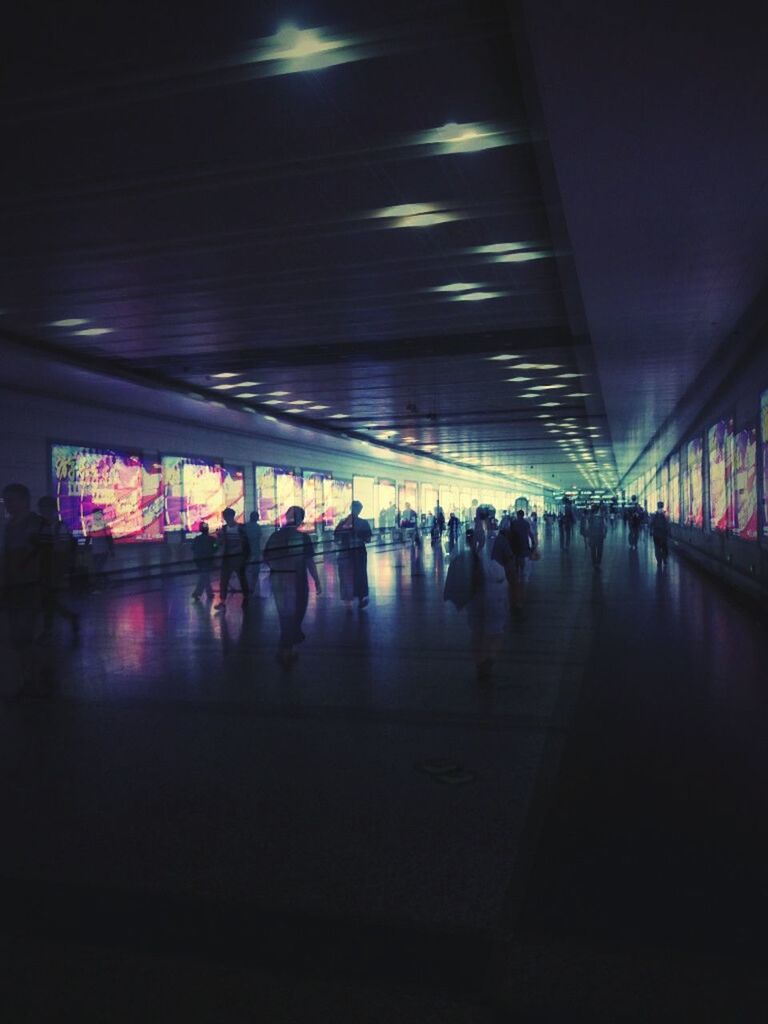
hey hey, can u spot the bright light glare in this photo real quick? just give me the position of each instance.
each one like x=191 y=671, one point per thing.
x=498 y=247
x=579 y=394
x=317 y=407
x=224 y=387
x=92 y=332
x=502 y=358
x=459 y=286
x=518 y=380
x=278 y=394
x=223 y=376
x=247 y=394
x=465 y=138
x=537 y=366
x=339 y=416
x=293 y=49
x=477 y=296
x=567 y=376
x=299 y=401
x=547 y=387
x=67 y=323
x=522 y=257
x=416 y=215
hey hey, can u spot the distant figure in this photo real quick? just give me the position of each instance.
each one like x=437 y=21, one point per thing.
x=488 y=610
x=533 y=519
x=22 y=583
x=102 y=547
x=351 y=535
x=454 y=525
x=660 y=534
x=635 y=521
x=290 y=557
x=57 y=553
x=565 y=522
x=408 y=519
x=203 y=550
x=522 y=545
x=233 y=544
x=596 y=531
x=253 y=566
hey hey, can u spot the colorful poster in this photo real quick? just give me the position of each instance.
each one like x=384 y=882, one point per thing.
x=289 y=491
x=695 y=512
x=674 y=488
x=125 y=488
x=314 y=500
x=363 y=488
x=386 y=503
x=198 y=491
x=338 y=500
x=265 y=495
x=720 y=441
x=764 y=422
x=745 y=483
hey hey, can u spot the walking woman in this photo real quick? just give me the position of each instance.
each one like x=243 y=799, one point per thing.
x=351 y=535
x=290 y=556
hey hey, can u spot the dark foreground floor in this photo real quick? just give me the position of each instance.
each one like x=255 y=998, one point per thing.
x=192 y=833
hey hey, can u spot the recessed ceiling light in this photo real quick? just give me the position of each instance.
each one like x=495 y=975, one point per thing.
x=458 y=286
x=498 y=247
x=278 y=394
x=521 y=257
x=518 y=380
x=339 y=416
x=549 y=405
x=465 y=138
x=92 y=332
x=248 y=383
x=221 y=376
x=271 y=419
x=67 y=323
x=477 y=296
x=299 y=401
x=294 y=411
x=316 y=407
x=416 y=215
x=547 y=387
x=537 y=366
x=274 y=401
x=247 y=394
x=224 y=387
x=292 y=49
x=528 y=394
x=579 y=394
x=567 y=376
x=502 y=358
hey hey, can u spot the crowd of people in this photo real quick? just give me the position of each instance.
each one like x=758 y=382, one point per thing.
x=490 y=563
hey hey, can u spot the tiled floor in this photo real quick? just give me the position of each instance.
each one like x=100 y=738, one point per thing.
x=179 y=761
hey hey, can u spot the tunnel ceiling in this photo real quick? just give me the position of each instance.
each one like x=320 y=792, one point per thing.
x=336 y=213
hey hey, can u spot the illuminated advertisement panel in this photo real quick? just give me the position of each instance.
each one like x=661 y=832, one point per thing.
x=764 y=423
x=408 y=492
x=745 y=483
x=363 y=489
x=695 y=499
x=265 y=495
x=289 y=490
x=338 y=500
x=428 y=498
x=198 y=491
x=720 y=443
x=122 y=490
x=386 y=503
x=314 y=499
x=674 y=488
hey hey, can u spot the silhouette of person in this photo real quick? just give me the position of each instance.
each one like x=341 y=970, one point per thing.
x=203 y=551
x=487 y=611
x=352 y=534
x=290 y=556
x=22 y=582
x=660 y=534
x=522 y=545
x=565 y=522
x=57 y=553
x=233 y=543
x=102 y=547
x=595 y=532
x=454 y=525
x=253 y=566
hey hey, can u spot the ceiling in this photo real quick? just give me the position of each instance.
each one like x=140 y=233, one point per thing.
x=345 y=204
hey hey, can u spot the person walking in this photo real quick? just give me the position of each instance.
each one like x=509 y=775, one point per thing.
x=233 y=543
x=660 y=534
x=351 y=536
x=522 y=545
x=596 y=531
x=488 y=610
x=57 y=553
x=203 y=551
x=565 y=522
x=253 y=566
x=454 y=523
x=23 y=584
x=290 y=556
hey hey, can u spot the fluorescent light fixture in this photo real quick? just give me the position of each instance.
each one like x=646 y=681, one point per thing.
x=465 y=138
x=517 y=380
x=224 y=387
x=579 y=394
x=416 y=215
x=316 y=407
x=537 y=366
x=501 y=247
x=294 y=411
x=502 y=358
x=292 y=49
x=299 y=401
x=529 y=394
x=547 y=387
x=274 y=401
x=278 y=394
x=248 y=383
x=74 y=322
x=457 y=286
x=93 y=332
x=477 y=296
x=549 y=405
x=222 y=376
x=567 y=376
x=271 y=419
x=521 y=257
x=339 y=416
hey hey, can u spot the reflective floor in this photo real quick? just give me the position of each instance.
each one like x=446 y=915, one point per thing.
x=607 y=788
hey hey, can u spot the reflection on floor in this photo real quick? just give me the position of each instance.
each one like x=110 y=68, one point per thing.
x=623 y=734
